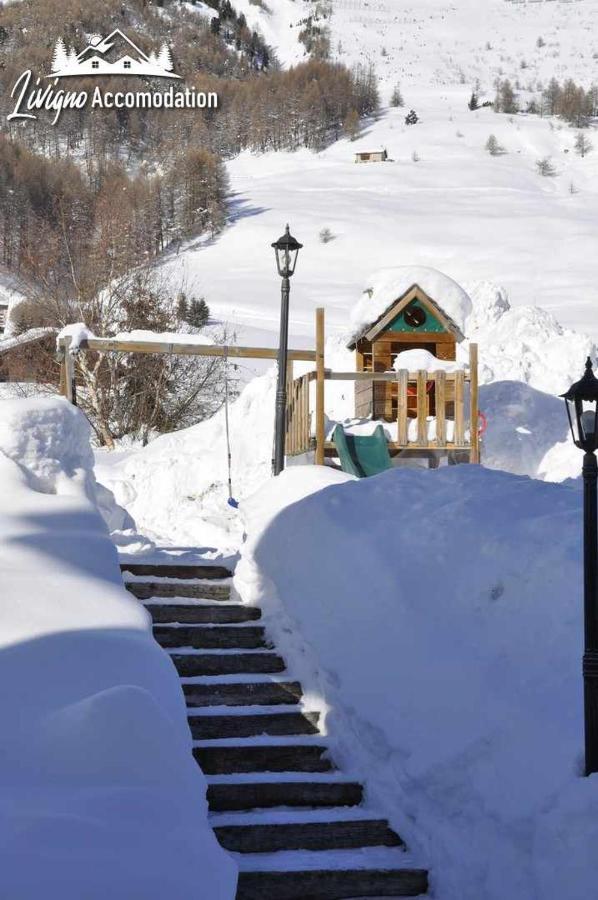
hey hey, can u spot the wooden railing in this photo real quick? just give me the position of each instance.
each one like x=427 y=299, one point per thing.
x=298 y=439
x=445 y=400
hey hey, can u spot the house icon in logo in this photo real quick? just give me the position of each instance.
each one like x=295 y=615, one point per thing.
x=112 y=55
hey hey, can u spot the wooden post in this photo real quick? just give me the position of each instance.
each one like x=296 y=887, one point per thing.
x=402 y=383
x=474 y=404
x=320 y=340
x=70 y=389
x=422 y=408
x=459 y=438
x=290 y=411
x=440 y=408
x=62 y=358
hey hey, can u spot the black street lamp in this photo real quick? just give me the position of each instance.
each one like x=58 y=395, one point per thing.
x=286 y=249
x=582 y=409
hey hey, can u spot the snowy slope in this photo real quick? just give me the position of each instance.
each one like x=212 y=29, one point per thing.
x=473 y=216
x=99 y=793
x=444 y=643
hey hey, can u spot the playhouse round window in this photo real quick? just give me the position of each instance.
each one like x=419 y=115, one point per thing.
x=414 y=316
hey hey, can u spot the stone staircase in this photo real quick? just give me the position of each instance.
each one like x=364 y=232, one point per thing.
x=296 y=826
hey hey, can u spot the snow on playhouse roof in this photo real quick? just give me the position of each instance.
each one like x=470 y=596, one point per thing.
x=387 y=286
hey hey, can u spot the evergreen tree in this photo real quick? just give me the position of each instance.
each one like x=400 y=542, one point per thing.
x=545 y=168
x=182 y=310
x=396 y=98
x=493 y=147
x=583 y=144
x=198 y=313
x=507 y=98
x=474 y=102
x=411 y=118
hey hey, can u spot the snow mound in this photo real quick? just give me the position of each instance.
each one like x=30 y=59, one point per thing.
x=524 y=343
x=412 y=360
x=462 y=603
x=49 y=441
x=388 y=285
x=98 y=785
x=524 y=424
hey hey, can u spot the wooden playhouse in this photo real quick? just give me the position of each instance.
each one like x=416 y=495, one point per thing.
x=413 y=321
x=432 y=412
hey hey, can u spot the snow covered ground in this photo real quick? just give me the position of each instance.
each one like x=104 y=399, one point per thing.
x=473 y=216
x=99 y=794
x=447 y=655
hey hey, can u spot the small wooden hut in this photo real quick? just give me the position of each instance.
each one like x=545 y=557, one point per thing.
x=365 y=156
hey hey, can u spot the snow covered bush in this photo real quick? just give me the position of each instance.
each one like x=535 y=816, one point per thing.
x=99 y=794
x=444 y=641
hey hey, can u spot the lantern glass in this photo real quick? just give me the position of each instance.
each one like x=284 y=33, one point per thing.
x=286 y=249
x=583 y=419
x=588 y=424
x=582 y=410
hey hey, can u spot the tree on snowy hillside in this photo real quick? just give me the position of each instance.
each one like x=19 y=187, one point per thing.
x=583 y=144
x=411 y=118
x=351 y=124
x=493 y=147
x=396 y=98
x=545 y=168
x=506 y=98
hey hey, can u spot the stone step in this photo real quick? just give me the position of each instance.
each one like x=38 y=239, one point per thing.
x=189 y=665
x=201 y=614
x=247 y=693
x=331 y=884
x=347 y=835
x=144 y=590
x=205 y=728
x=215 y=637
x=224 y=759
x=176 y=571
x=238 y=796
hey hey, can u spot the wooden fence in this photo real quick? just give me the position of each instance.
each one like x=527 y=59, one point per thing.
x=305 y=428
x=440 y=396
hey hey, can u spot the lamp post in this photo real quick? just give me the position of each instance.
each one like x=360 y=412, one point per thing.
x=286 y=249
x=582 y=409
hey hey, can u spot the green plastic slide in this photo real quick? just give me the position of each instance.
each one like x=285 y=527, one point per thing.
x=362 y=454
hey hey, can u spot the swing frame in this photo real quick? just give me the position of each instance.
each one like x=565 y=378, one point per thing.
x=65 y=355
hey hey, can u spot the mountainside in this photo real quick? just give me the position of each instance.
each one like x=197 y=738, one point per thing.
x=442 y=199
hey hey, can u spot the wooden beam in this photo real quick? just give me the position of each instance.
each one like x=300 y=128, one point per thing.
x=474 y=403
x=408 y=337
x=114 y=345
x=379 y=376
x=320 y=383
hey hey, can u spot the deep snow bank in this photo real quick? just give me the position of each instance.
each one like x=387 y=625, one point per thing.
x=437 y=615
x=99 y=794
